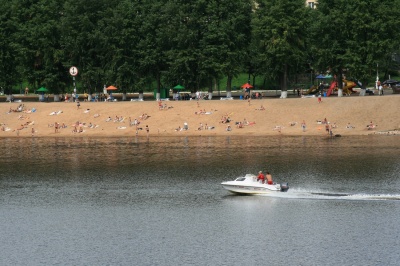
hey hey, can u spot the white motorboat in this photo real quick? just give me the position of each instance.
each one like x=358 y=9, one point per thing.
x=248 y=184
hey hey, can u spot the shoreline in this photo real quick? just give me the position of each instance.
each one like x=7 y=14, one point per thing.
x=280 y=117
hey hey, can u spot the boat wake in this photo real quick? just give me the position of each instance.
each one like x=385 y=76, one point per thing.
x=293 y=194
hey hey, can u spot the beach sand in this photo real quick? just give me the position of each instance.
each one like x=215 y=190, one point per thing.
x=280 y=117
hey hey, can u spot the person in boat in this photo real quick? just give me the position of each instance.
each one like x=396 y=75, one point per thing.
x=269 y=178
x=261 y=177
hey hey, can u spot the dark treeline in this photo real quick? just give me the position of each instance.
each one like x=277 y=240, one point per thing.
x=135 y=43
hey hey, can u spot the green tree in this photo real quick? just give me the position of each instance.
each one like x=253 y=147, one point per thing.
x=356 y=36
x=121 y=32
x=86 y=46
x=38 y=42
x=209 y=40
x=8 y=52
x=155 y=31
x=226 y=39
x=279 y=32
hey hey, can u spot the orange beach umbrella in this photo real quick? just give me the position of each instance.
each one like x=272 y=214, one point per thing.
x=247 y=86
x=111 y=88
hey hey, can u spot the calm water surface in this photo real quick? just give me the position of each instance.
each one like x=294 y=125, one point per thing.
x=121 y=201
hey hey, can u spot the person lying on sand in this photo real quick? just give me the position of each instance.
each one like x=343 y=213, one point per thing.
x=21 y=127
x=21 y=117
x=144 y=116
x=371 y=126
x=239 y=124
x=135 y=122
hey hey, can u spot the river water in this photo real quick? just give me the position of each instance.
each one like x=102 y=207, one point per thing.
x=158 y=201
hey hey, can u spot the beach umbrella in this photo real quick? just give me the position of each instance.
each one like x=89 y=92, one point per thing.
x=42 y=89
x=111 y=88
x=179 y=87
x=247 y=86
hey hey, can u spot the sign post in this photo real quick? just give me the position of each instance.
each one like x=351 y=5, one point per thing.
x=73 y=71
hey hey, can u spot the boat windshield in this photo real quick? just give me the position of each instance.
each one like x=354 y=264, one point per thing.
x=240 y=179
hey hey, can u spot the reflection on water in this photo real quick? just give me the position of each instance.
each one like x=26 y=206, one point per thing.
x=318 y=163
x=125 y=201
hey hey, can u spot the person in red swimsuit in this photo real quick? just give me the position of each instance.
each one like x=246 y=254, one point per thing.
x=260 y=177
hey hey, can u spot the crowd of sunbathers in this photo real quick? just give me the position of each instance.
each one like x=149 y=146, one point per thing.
x=225 y=119
x=115 y=120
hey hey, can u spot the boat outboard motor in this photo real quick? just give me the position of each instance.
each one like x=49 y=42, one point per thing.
x=284 y=187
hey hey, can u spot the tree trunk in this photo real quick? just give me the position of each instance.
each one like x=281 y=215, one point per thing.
x=283 y=95
x=363 y=88
x=340 y=84
x=284 y=82
x=158 y=94
x=229 y=87
x=210 y=90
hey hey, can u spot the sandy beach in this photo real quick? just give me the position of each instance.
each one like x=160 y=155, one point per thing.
x=280 y=117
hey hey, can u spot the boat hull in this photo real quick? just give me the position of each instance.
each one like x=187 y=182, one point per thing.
x=237 y=189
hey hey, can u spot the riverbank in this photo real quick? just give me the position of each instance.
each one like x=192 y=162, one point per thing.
x=280 y=117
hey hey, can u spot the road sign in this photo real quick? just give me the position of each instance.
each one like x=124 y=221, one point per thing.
x=73 y=71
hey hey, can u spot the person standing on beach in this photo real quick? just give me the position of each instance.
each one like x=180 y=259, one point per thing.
x=147 y=130
x=303 y=126
x=78 y=104
x=319 y=98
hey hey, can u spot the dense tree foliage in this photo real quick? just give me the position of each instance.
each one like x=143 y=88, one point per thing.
x=135 y=44
x=280 y=36
x=354 y=37
x=8 y=51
